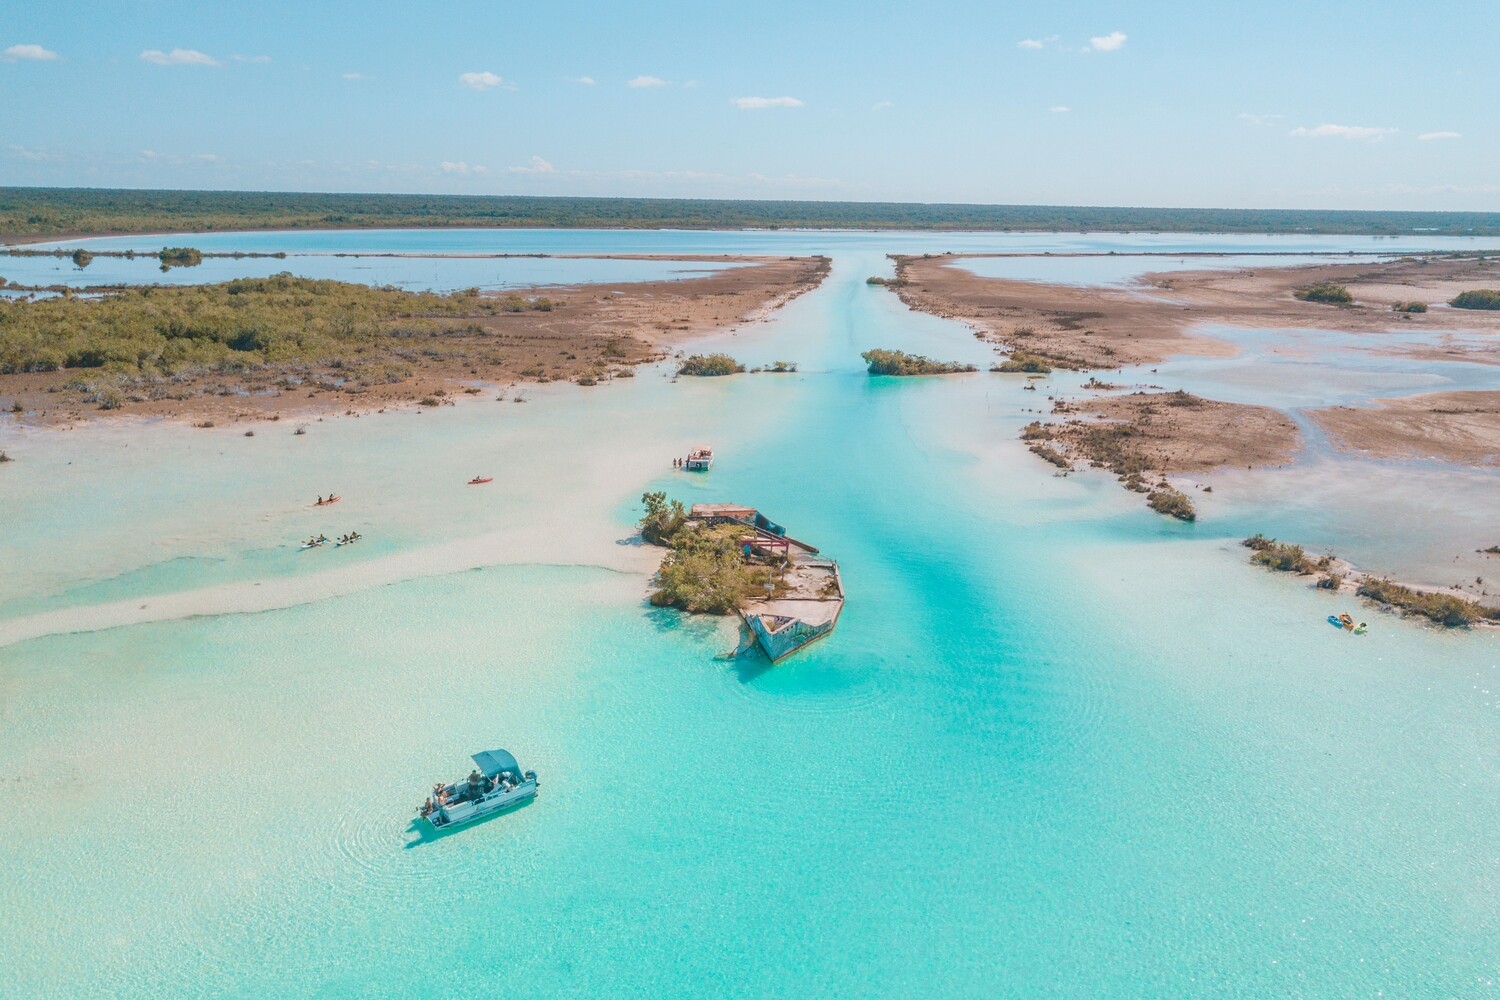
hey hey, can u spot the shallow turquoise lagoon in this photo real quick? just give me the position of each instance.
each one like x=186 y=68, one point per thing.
x=1057 y=746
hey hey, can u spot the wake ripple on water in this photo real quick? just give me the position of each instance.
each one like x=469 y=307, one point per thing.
x=812 y=686
x=396 y=852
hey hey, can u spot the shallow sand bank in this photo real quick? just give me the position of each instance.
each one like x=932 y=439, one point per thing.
x=1462 y=427
x=1174 y=432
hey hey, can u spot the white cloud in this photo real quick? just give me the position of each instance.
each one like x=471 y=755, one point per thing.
x=28 y=53
x=258 y=60
x=480 y=81
x=1342 y=132
x=178 y=57
x=34 y=155
x=1107 y=43
x=355 y=76
x=673 y=180
x=1059 y=109
x=1429 y=136
x=459 y=167
x=535 y=165
x=1442 y=189
x=752 y=103
x=1031 y=43
x=587 y=81
x=883 y=105
x=1259 y=119
x=646 y=81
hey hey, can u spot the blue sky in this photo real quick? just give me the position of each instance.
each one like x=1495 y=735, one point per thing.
x=1276 y=104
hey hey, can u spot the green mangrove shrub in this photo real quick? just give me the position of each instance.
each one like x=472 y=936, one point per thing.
x=884 y=362
x=710 y=365
x=664 y=518
x=1477 y=298
x=1327 y=292
x=171 y=257
x=1284 y=557
x=1022 y=362
x=1171 y=502
x=1447 y=610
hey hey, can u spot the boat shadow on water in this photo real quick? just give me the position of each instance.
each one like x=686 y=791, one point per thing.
x=427 y=834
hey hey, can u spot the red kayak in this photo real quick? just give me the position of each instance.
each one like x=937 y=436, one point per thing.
x=325 y=503
x=481 y=481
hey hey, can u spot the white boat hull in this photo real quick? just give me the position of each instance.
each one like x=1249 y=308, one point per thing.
x=459 y=813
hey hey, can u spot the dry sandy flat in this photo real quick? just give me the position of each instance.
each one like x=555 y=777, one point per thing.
x=1174 y=432
x=1106 y=327
x=1461 y=427
x=596 y=331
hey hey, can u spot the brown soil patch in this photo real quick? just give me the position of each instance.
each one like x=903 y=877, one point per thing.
x=1149 y=435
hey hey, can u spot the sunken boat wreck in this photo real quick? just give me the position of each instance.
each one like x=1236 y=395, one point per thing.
x=805 y=603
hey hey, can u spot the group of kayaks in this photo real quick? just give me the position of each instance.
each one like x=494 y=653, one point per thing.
x=354 y=536
x=322 y=540
x=1346 y=622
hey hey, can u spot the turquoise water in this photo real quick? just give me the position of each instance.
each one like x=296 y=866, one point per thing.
x=1058 y=745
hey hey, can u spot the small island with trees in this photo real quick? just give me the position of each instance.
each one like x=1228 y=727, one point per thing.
x=726 y=559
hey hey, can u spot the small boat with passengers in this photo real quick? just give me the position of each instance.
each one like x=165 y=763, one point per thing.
x=496 y=783
x=700 y=459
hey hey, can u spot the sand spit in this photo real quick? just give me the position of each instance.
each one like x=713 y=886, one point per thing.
x=1459 y=427
x=1168 y=433
x=590 y=334
x=546 y=543
x=1107 y=327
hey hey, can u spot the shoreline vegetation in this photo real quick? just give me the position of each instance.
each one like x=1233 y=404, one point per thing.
x=265 y=347
x=37 y=213
x=1451 y=610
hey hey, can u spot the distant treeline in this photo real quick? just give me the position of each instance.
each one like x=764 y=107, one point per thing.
x=40 y=212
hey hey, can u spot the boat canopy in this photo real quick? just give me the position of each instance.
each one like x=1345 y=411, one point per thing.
x=493 y=762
